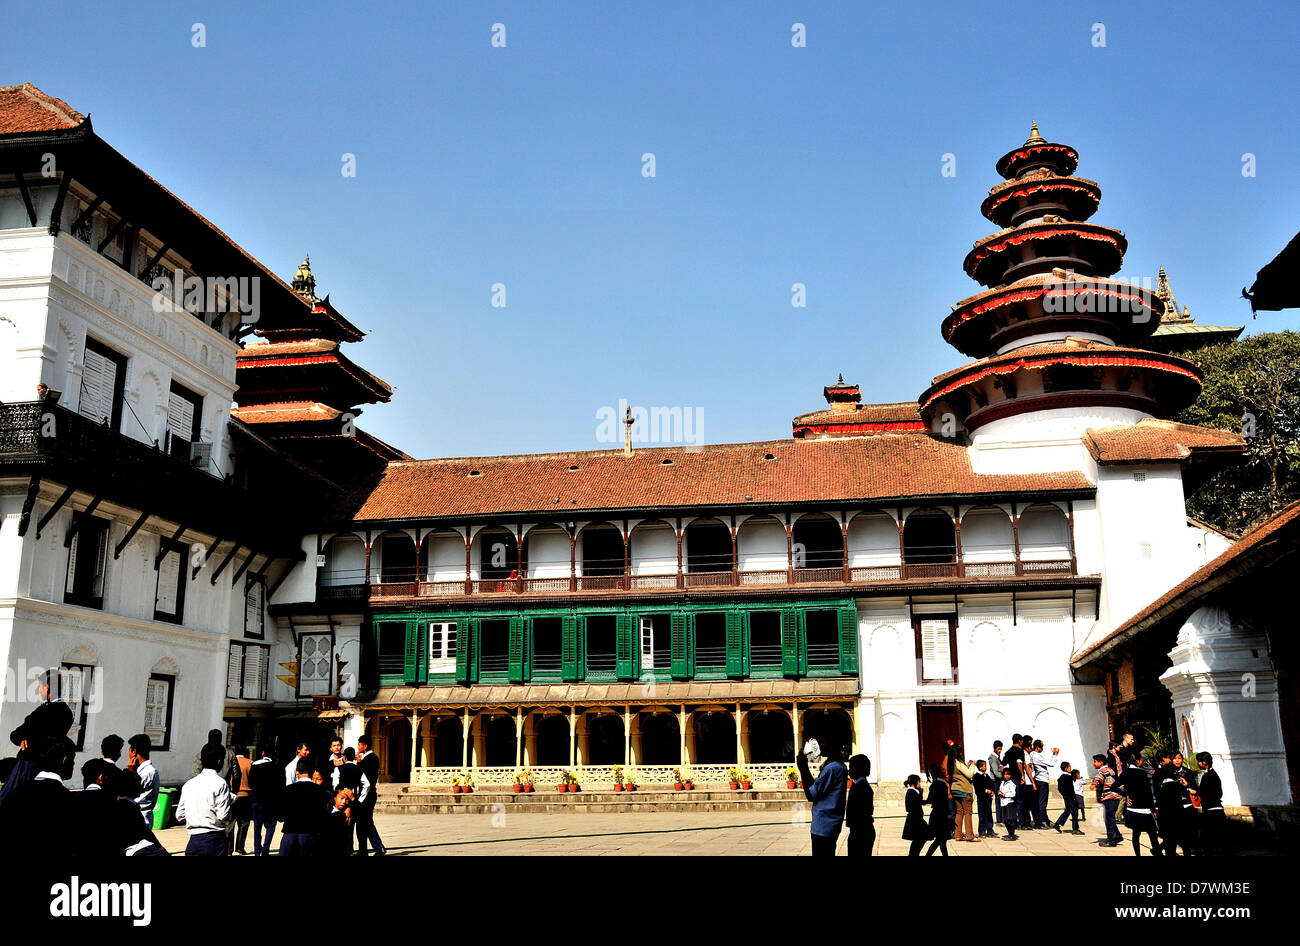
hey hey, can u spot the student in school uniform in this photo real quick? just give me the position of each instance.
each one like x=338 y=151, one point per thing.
x=1213 y=820
x=1168 y=788
x=1139 y=812
x=995 y=773
x=302 y=807
x=1108 y=797
x=1008 y=798
x=1188 y=823
x=940 y=811
x=1065 y=785
x=206 y=805
x=860 y=809
x=266 y=782
x=914 y=827
x=986 y=791
x=302 y=751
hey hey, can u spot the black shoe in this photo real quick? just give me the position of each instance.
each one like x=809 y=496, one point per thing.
x=1057 y=827
x=1010 y=839
x=381 y=853
x=1077 y=831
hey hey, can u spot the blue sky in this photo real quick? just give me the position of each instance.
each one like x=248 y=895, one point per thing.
x=522 y=165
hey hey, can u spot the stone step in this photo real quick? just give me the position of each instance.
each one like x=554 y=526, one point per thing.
x=426 y=800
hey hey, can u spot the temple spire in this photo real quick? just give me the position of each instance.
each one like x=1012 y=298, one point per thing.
x=1034 y=137
x=304 y=283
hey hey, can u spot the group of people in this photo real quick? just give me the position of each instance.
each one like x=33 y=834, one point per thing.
x=323 y=804
x=1157 y=798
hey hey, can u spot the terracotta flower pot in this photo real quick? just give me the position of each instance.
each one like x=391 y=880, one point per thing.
x=678 y=786
x=561 y=788
x=575 y=788
x=467 y=789
x=518 y=789
x=618 y=786
x=746 y=785
x=455 y=789
x=528 y=789
x=790 y=784
x=690 y=786
x=734 y=785
x=630 y=787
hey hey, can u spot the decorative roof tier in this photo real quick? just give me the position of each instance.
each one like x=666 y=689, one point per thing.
x=305 y=371
x=995 y=319
x=1052 y=331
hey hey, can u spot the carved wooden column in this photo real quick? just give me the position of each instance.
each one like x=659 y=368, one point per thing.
x=680 y=580
x=902 y=549
x=627 y=545
x=844 y=535
x=1015 y=538
x=956 y=533
x=573 y=565
x=469 y=541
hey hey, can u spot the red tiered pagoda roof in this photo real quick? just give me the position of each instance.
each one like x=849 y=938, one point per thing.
x=1052 y=331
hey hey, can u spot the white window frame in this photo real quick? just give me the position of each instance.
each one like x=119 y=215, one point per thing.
x=158 y=714
x=442 y=646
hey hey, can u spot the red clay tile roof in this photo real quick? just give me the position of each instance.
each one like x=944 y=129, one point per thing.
x=285 y=412
x=862 y=414
x=322 y=351
x=25 y=108
x=886 y=466
x=1151 y=441
x=1073 y=351
x=1257 y=544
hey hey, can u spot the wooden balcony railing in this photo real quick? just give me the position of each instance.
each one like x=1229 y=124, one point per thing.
x=353 y=590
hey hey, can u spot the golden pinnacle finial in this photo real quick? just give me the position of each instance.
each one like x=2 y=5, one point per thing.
x=304 y=283
x=1034 y=137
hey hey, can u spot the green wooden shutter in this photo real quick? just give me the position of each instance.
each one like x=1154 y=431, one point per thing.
x=411 y=662
x=581 y=635
x=422 y=655
x=790 y=642
x=681 y=662
x=625 y=647
x=849 y=639
x=464 y=635
x=569 y=648
x=475 y=648
x=735 y=649
x=516 y=648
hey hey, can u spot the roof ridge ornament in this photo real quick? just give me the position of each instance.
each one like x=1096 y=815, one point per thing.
x=304 y=283
x=1034 y=137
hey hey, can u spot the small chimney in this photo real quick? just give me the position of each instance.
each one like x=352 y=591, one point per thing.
x=843 y=398
x=628 y=421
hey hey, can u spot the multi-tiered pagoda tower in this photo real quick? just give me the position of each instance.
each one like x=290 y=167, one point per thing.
x=1053 y=335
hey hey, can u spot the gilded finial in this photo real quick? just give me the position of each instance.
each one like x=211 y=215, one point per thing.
x=304 y=283
x=1034 y=137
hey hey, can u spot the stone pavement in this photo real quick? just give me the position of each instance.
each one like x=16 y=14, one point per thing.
x=667 y=833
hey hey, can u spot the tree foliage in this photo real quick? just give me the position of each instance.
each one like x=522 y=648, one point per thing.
x=1251 y=385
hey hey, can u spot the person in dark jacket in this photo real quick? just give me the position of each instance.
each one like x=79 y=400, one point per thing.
x=365 y=811
x=1213 y=821
x=827 y=795
x=36 y=821
x=335 y=839
x=940 y=811
x=50 y=719
x=1168 y=788
x=860 y=810
x=303 y=810
x=1065 y=785
x=914 y=827
x=986 y=798
x=1139 y=810
x=266 y=780
x=107 y=824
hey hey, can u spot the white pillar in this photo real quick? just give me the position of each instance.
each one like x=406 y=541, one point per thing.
x=1222 y=683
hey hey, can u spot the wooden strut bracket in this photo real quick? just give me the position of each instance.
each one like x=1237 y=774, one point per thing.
x=130 y=534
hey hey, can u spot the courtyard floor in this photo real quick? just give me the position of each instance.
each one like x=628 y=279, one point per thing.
x=660 y=833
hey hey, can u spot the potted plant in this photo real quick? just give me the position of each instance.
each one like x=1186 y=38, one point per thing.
x=629 y=783
x=466 y=783
x=745 y=782
x=563 y=785
x=733 y=777
x=573 y=782
x=528 y=780
x=617 y=772
x=519 y=782
x=455 y=784
x=689 y=783
x=792 y=777
x=678 y=784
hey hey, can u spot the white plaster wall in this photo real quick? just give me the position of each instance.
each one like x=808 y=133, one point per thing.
x=986 y=536
x=761 y=546
x=873 y=540
x=1012 y=677
x=1044 y=441
x=1146 y=545
x=300 y=585
x=548 y=555
x=55 y=291
x=654 y=550
x=446 y=558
